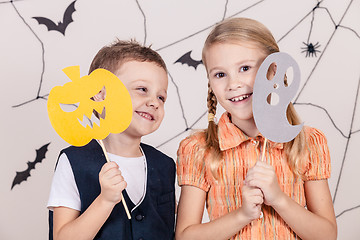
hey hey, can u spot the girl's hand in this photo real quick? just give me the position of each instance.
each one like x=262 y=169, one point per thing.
x=263 y=176
x=112 y=183
x=252 y=199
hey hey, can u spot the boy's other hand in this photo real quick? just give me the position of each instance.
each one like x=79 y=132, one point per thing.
x=112 y=183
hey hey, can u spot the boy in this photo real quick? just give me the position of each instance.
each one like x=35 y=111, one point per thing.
x=86 y=191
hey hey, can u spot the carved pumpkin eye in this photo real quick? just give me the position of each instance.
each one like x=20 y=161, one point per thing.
x=101 y=96
x=69 y=107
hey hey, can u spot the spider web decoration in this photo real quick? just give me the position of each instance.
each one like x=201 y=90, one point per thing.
x=323 y=37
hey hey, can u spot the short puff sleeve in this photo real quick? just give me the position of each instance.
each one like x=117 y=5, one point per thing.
x=190 y=164
x=319 y=164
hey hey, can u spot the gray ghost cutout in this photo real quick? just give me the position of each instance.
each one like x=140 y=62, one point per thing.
x=270 y=118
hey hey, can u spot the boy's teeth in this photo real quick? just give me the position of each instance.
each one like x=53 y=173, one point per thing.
x=236 y=99
x=145 y=115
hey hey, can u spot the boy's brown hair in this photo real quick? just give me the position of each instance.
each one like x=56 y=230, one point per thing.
x=112 y=56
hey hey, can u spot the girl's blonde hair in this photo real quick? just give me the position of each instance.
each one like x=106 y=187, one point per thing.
x=247 y=30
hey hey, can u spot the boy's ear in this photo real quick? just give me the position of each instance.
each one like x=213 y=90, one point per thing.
x=100 y=96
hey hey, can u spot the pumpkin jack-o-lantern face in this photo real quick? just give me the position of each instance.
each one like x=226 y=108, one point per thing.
x=100 y=104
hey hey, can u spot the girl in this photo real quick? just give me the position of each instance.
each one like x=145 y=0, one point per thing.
x=220 y=165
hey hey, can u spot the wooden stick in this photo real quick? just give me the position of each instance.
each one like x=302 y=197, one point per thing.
x=263 y=150
x=122 y=198
x=262 y=159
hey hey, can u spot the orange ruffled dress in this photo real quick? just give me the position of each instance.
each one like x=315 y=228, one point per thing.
x=240 y=153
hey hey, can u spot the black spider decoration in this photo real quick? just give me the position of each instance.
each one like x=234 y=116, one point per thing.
x=311 y=49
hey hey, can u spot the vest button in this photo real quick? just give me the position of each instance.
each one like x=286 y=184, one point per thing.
x=141 y=238
x=139 y=217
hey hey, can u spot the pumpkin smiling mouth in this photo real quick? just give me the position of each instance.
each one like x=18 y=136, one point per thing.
x=94 y=118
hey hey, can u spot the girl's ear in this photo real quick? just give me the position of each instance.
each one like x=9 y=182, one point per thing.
x=100 y=96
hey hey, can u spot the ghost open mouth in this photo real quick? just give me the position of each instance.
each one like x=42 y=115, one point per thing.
x=240 y=98
x=146 y=115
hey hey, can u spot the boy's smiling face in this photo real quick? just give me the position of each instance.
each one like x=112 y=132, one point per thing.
x=147 y=84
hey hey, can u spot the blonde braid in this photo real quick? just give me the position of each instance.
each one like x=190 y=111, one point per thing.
x=212 y=140
x=211 y=104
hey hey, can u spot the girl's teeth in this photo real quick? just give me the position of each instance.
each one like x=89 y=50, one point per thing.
x=237 y=99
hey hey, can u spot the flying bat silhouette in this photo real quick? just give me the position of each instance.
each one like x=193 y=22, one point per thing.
x=22 y=176
x=61 y=26
x=187 y=59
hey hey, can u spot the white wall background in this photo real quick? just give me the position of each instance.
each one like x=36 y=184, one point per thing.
x=31 y=59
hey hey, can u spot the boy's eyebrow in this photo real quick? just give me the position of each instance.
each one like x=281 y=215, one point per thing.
x=144 y=81
x=136 y=81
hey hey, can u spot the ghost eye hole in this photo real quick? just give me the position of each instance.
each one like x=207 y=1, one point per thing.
x=271 y=71
x=69 y=107
x=100 y=96
x=273 y=99
x=289 y=77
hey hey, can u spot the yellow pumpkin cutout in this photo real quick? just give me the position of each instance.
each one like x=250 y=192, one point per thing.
x=117 y=106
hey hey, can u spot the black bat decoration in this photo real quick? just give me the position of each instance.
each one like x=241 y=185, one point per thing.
x=61 y=26
x=187 y=59
x=23 y=176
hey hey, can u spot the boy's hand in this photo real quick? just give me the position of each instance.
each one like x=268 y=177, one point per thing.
x=112 y=183
x=263 y=176
x=252 y=198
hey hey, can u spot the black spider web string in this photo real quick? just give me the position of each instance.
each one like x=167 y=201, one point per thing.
x=327 y=113
x=42 y=60
x=347 y=143
x=204 y=29
x=225 y=10
x=10 y=1
x=296 y=25
x=179 y=99
x=187 y=129
x=312 y=20
x=330 y=16
x=142 y=12
x=352 y=30
x=347 y=210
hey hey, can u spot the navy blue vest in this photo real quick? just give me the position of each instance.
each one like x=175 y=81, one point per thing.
x=153 y=219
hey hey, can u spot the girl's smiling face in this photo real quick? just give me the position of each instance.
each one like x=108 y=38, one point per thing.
x=231 y=69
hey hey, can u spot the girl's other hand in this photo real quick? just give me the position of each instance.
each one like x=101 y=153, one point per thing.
x=263 y=176
x=112 y=183
x=252 y=199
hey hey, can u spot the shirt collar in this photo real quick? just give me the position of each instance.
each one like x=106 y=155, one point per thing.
x=231 y=136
